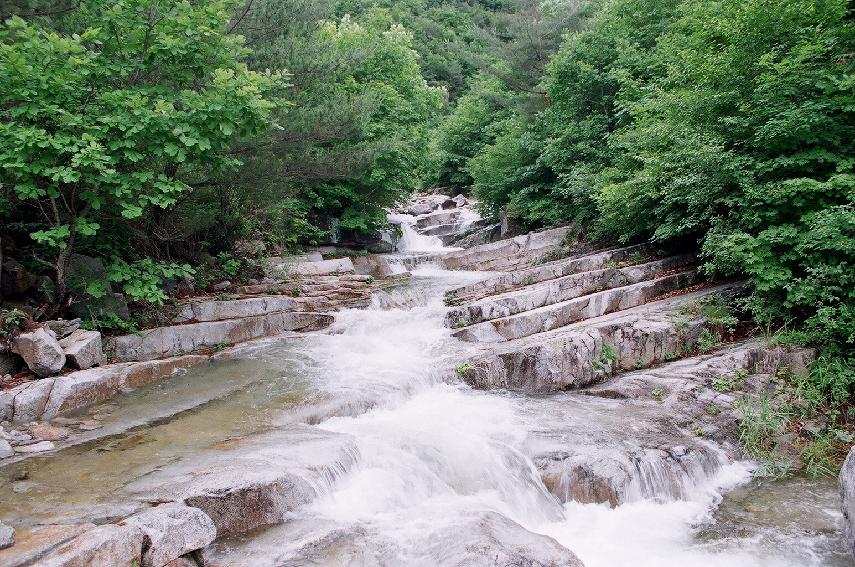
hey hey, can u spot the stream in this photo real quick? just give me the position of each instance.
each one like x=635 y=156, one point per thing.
x=433 y=454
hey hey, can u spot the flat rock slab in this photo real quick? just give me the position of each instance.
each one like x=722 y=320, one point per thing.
x=184 y=339
x=113 y=545
x=578 y=354
x=44 y=400
x=506 y=254
x=255 y=481
x=558 y=290
x=536 y=312
x=646 y=444
x=202 y=311
x=34 y=543
x=485 y=539
x=324 y=267
x=548 y=271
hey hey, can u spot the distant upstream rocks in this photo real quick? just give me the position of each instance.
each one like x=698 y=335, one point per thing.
x=847 y=494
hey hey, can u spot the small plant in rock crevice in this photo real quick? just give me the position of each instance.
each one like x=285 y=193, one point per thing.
x=463 y=369
x=608 y=355
x=707 y=341
x=729 y=384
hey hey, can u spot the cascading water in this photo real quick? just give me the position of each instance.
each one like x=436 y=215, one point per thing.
x=434 y=453
x=434 y=467
x=413 y=242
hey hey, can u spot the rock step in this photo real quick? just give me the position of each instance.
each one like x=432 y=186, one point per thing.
x=217 y=310
x=254 y=481
x=225 y=490
x=663 y=457
x=478 y=539
x=560 y=289
x=548 y=271
x=575 y=356
x=558 y=315
x=48 y=398
x=699 y=392
x=506 y=254
x=181 y=339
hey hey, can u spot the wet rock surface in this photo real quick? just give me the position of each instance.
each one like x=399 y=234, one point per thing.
x=255 y=482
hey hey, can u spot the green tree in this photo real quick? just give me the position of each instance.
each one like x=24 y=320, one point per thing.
x=125 y=115
x=745 y=145
x=356 y=139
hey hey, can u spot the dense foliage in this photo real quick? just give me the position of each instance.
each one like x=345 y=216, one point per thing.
x=123 y=116
x=721 y=126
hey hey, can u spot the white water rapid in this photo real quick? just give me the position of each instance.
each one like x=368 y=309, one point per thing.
x=434 y=454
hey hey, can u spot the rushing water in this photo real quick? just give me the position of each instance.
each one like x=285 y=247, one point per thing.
x=433 y=453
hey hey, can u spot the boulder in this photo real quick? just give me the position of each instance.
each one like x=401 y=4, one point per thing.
x=7 y=536
x=15 y=279
x=420 y=209
x=101 y=307
x=63 y=327
x=83 y=270
x=847 y=495
x=249 y=248
x=493 y=540
x=374 y=266
x=221 y=286
x=6 y=449
x=170 y=531
x=40 y=351
x=82 y=349
x=111 y=544
x=510 y=226
x=438 y=218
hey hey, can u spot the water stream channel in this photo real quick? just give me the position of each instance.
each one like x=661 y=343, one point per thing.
x=433 y=453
